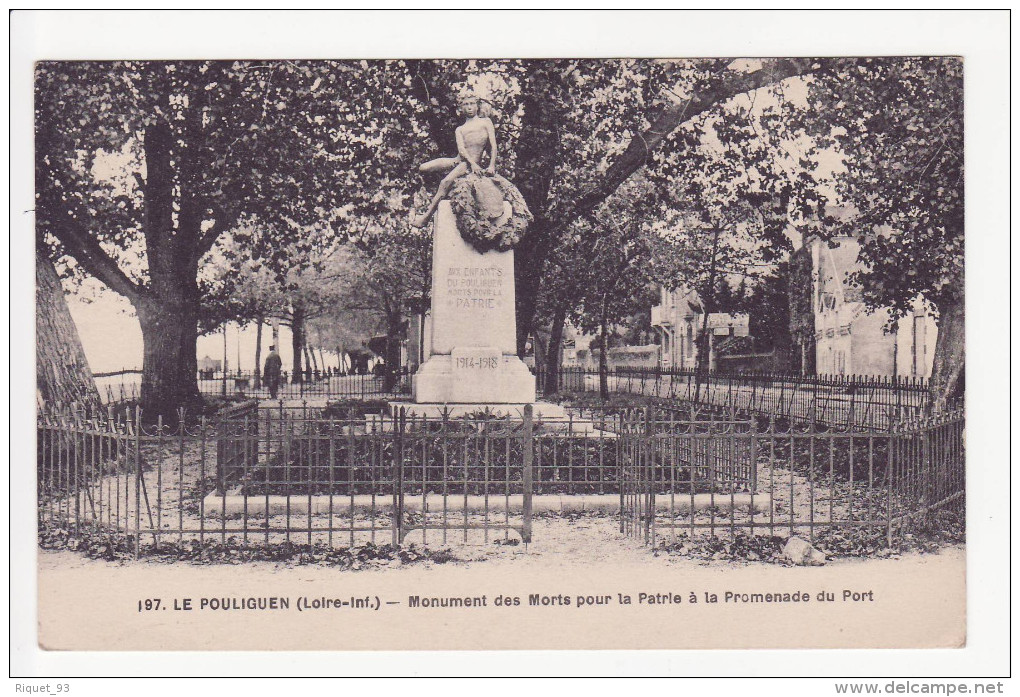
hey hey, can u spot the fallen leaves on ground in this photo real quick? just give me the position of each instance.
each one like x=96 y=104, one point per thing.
x=99 y=543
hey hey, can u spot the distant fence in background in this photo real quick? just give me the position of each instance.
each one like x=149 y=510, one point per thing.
x=125 y=385
x=875 y=403
x=119 y=386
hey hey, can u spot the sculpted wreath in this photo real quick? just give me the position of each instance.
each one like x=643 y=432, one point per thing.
x=482 y=218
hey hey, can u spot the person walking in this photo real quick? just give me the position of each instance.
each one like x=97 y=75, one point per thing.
x=271 y=371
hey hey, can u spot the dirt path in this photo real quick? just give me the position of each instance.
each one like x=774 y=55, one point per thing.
x=916 y=601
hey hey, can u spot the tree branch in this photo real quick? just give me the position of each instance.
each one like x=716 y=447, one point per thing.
x=222 y=221
x=423 y=72
x=672 y=117
x=86 y=250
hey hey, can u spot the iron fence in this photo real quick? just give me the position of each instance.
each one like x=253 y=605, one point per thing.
x=874 y=403
x=807 y=478
x=268 y=472
x=125 y=386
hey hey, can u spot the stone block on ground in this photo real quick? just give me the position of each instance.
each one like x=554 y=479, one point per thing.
x=802 y=553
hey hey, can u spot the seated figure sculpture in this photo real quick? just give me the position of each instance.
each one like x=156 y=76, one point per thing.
x=491 y=212
x=472 y=136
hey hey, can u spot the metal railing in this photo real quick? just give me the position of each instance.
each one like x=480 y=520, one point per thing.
x=870 y=402
x=807 y=479
x=125 y=386
x=267 y=472
x=874 y=403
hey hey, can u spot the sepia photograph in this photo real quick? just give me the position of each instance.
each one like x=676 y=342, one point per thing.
x=418 y=353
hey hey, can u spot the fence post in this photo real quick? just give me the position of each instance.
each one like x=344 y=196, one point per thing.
x=925 y=430
x=753 y=464
x=621 y=424
x=398 y=475
x=78 y=440
x=649 y=468
x=221 y=456
x=527 y=474
x=138 y=481
x=889 y=468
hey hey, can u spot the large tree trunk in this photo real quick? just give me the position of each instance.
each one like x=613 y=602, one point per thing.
x=603 y=353
x=297 y=340
x=260 y=320
x=392 y=358
x=545 y=98
x=169 y=366
x=704 y=356
x=538 y=348
x=168 y=312
x=947 y=375
x=552 y=356
x=62 y=373
x=312 y=360
x=168 y=305
x=529 y=264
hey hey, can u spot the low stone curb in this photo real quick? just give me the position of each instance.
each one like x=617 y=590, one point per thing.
x=236 y=504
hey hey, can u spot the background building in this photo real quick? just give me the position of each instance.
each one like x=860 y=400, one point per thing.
x=678 y=318
x=581 y=350
x=848 y=339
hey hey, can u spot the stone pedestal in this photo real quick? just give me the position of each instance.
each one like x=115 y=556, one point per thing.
x=471 y=348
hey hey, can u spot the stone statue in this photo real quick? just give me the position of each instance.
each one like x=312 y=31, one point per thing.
x=491 y=213
x=472 y=136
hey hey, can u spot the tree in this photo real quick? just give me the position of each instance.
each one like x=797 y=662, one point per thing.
x=901 y=136
x=575 y=130
x=894 y=153
x=62 y=373
x=610 y=267
x=219 y=141
x=570 y=131
x=378 y=282
x=768 y=307
x=247 y=291
x=713 y=258
x=142 y=166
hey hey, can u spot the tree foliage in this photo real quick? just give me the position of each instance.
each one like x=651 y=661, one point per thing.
x=147 y=169
x=143 y=166
x=900 y=132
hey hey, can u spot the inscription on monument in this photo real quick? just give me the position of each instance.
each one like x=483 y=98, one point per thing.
x=479 y=369
x=474 y=287
x=477 y=362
